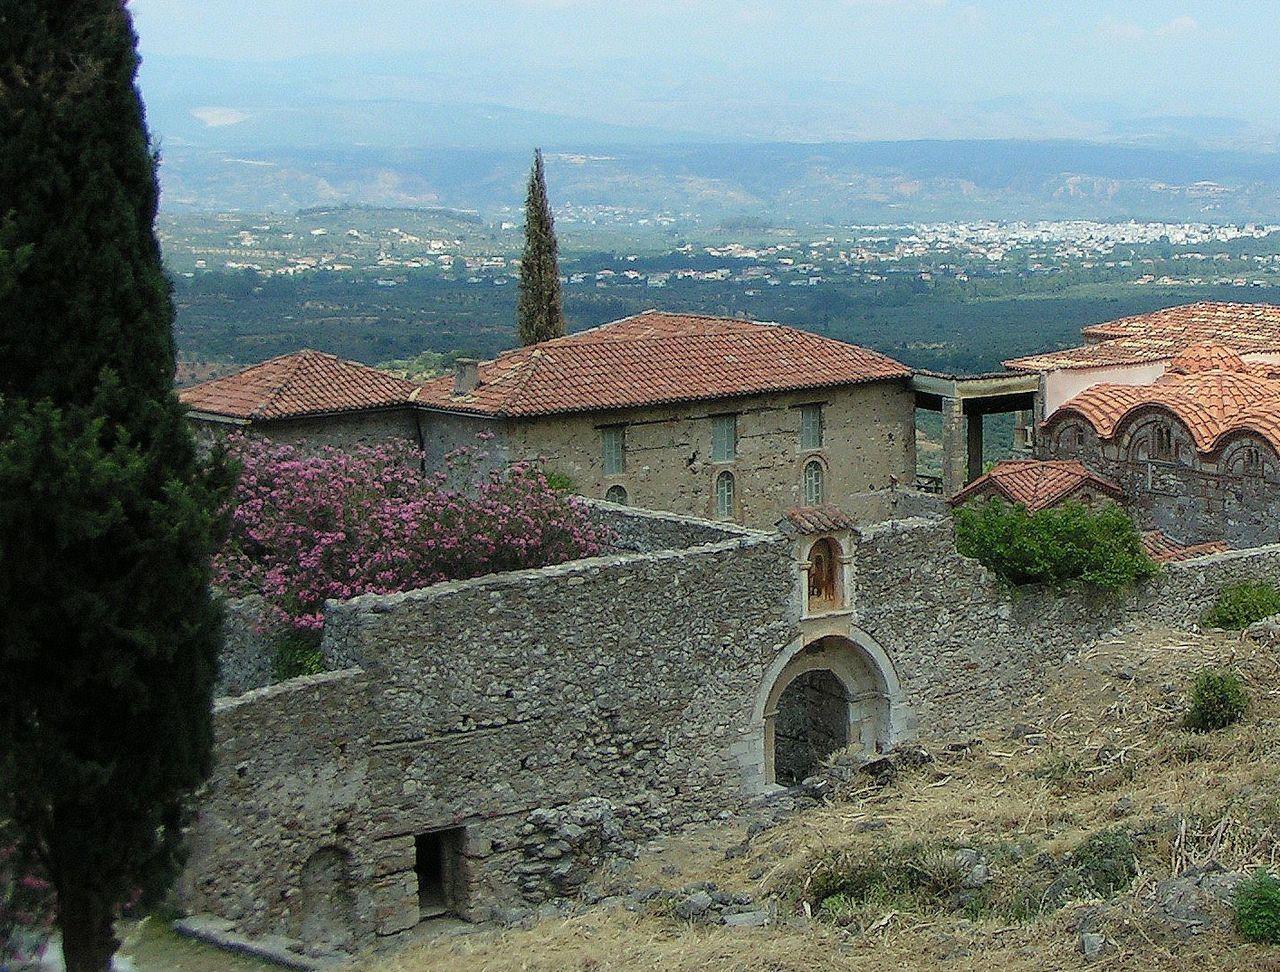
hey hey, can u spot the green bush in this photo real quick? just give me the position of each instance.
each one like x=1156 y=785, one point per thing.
x=1217 y=700
x=1257 y=906
x=1100 y=547
x=1240 y=605
x=561 y=482
x=298 y=653
x=1106 y=862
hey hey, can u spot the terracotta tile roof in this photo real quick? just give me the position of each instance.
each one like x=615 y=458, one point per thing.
x=1163 y=550
x=1161 y=335
x=1035 y=484
x=654 y=358
x=1206 y=356
x=818 y=519
x=1209 y=388
x=303 y=383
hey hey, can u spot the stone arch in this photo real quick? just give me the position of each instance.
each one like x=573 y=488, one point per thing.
x=1247 y=454
x=848 y=684
x=324 y=909
x=1156 y=434
x=1069 y=438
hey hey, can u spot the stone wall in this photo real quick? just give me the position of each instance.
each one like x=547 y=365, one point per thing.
x=577 y=700
x=533 y=724
x=247 y=659
x=646 y=531
x=369 y=428
x=292 y=781
x=966 y=648
x=1194 y=498
x=869 y=442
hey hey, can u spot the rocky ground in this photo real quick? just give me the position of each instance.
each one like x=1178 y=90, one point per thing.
x=1089 y=831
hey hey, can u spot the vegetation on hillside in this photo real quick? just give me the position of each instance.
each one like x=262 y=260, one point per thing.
x=1098 y=817
x=1240 y=605
x=1099 y=547
x=109 y=634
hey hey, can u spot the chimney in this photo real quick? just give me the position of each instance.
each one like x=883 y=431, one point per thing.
x=466 y=375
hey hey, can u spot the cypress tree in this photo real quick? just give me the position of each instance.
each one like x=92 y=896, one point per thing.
x=540 y=312
x=108 y=631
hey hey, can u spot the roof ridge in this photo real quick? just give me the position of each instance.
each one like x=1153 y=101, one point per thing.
x=277 y=390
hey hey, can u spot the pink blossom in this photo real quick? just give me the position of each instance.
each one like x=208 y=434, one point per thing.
x=335 y=524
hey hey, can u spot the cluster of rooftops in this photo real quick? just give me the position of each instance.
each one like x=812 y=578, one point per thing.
x=649 y=359
x=1214 y=366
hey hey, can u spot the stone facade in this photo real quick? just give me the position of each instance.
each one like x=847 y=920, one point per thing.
x=369 y=427
x=483 y=745
x=1232 y=494
x=868 y=443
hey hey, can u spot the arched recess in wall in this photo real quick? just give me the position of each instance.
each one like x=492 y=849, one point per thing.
x=1249 y=456
x=822 y=695
x=1069 y=438
x=1155 y=434
x=324 y=909
x=825 y=581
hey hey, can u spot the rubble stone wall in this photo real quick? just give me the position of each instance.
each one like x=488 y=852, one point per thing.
x=549 y=719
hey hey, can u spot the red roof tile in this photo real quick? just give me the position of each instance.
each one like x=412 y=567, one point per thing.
x=818 y=519
x=1035 y=484
x=1164 y=550
x=654 y=358
x=1161 y=335
x=303 y=383
x=1209 y=388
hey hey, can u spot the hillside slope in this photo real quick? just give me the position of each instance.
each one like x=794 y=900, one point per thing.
x=1091 y=822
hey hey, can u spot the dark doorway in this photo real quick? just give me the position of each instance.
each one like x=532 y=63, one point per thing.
x=441 y=878
x=812 y=722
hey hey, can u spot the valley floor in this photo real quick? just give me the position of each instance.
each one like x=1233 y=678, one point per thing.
x=1102 y=753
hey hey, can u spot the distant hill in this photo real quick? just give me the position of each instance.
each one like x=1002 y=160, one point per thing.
x=868 y=182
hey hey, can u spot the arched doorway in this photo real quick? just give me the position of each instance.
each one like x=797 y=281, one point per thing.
x=829 y=694
x=812 y=722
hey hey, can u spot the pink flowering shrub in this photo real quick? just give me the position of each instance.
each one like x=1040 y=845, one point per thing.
x=26 y=908
x=308 y=527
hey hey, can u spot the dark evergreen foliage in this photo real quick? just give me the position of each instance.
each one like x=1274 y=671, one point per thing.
x=108 y=630
x=540 y=311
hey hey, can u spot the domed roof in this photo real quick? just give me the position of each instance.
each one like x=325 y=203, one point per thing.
x=1207 y=356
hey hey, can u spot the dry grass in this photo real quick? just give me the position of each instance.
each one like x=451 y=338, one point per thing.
x=1109 y=752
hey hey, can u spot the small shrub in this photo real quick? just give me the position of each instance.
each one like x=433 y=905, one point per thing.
x=298 y=653
x=1240 y=605
x=1257 y=907
x=1106 y=863
x=1217 y=700
x=1100 y=547
x=561 y=482
x=26 y=906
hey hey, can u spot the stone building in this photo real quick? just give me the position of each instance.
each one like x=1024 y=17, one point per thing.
x=1137 y=350
x=713 y=417
x=1196 y=451
x=481 y=747
x=485 y=746
x=307 y=397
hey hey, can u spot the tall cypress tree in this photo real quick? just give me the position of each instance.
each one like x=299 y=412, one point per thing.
x=540 y=312
x=108 y=633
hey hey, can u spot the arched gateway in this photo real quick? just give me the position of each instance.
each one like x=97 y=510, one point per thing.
x=824 y=695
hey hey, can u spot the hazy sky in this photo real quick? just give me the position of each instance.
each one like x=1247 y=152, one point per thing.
x=811 y=69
